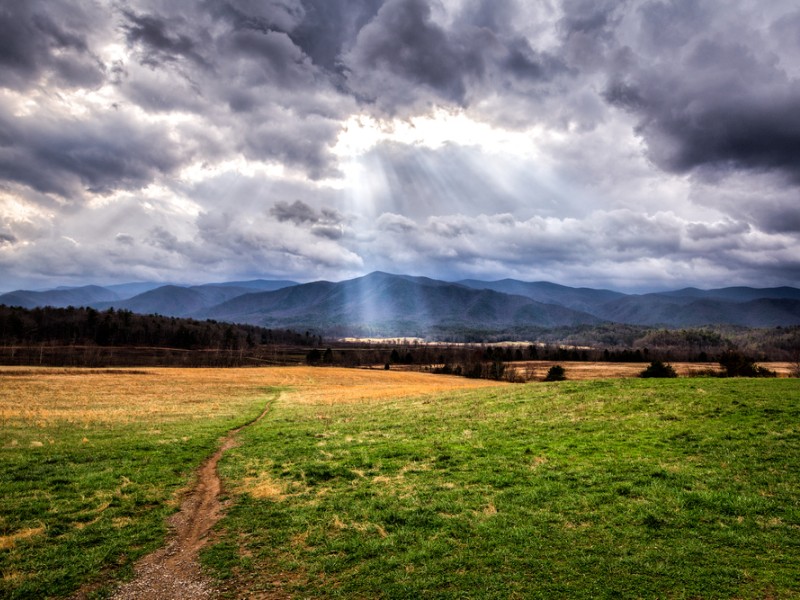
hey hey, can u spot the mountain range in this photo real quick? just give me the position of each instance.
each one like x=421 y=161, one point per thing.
x=402 y=305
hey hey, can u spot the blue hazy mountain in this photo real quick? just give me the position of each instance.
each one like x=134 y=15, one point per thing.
x=60 y=297
x=405 y=305
x=393 y=305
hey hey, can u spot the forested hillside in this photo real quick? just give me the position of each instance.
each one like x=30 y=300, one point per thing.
x=72 y=336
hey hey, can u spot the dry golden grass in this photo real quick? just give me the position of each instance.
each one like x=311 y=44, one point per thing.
x=46 y=396
x=576 y=370
x=8 y=541
x=43 y=397
x=322 y=386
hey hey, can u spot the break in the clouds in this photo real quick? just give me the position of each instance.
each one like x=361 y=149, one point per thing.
x=638 y=144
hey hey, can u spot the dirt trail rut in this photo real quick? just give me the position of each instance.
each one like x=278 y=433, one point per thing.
x=173 y=572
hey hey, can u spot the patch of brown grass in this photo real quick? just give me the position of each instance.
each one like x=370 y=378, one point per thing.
x=579 y=370
x=9 y=541
x=329 y=386
x=45 y=397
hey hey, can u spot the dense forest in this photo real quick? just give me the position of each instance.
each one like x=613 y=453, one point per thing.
x=88 y=337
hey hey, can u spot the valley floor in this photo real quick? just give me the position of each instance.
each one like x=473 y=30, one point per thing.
x=374 y=484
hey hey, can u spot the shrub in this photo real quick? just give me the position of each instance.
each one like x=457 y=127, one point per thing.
x=555 y=373
x=737 y=364
x=658 y=369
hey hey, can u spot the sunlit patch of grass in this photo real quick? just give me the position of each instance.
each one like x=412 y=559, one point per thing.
x=93 y=460
x=679 y=489
x=9 y=541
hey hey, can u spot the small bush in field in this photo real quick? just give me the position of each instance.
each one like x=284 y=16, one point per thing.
x=658 y=369
x=555 y=373
x=736 y=364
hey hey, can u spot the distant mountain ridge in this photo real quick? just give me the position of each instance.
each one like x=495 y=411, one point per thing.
x=393 y=305
x=59 y=297
x=387 y=304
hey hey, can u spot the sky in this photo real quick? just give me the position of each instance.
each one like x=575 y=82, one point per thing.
x=634 y=145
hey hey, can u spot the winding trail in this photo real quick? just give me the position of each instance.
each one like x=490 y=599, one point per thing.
x=173 y=572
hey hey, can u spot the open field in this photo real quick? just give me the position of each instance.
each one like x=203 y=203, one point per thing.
x=374 y=484
x=584 y=370
x=533 y=370
x=93 y=460
x=596 y=489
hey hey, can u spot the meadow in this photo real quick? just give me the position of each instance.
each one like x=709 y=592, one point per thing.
x=627 y=488
x=92 y=461
x=372 y=484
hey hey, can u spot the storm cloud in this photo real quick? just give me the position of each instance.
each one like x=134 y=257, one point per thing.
x=643 y=143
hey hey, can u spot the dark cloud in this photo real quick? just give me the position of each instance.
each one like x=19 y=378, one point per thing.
x=162 y=39
x=67 y=157
x=48 y=39
x=298 y=212
x=787 y=30
x=278 y=59
x=165 y=240
x=720 y=103
x=329 y=231
x=659 y=136
x=264 y=16
x=326 y=223
x=329 y=28
x=405 y=58
x=404 y=41
x=667 y=25
x=588 y=28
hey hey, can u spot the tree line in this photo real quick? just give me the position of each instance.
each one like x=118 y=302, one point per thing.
x=88 y=337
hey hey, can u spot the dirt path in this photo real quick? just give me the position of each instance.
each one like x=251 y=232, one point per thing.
x=173 y=572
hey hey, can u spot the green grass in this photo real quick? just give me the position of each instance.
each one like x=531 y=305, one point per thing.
x=684 y=488
x=95 y=494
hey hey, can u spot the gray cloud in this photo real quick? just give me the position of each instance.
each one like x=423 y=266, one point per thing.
x=404 y=58
x=161 y=40
x=404 y=41
x=325 y=223
x=329 y=27
x=664 y=138
x=298 y=212
x=66 y=157
x=124 y=239
x=395 y=223
x=722 y=102
x=48 y=39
